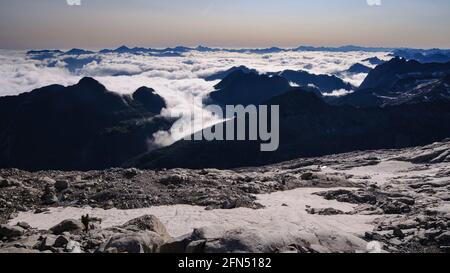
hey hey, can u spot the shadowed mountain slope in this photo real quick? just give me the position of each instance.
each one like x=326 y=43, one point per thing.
x=309 y=127
x=78 y=127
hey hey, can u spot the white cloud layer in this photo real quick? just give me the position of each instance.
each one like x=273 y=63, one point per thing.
x=73 y=2
x=178 y=79
x=338 y=93
x=374 y=2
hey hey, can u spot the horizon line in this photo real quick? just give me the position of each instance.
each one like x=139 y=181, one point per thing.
x=217 y=47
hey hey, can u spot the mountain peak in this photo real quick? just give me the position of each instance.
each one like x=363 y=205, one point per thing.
x=149 y=99
x=122 y=49
x=359 y=68
x=246 y=88
x=78 y=51
x=298 y=99
x=91 y=82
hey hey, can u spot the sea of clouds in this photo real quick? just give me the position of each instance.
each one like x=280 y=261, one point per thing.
x=179 y=80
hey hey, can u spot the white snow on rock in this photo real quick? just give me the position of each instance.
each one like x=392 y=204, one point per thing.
x=284 y=216
x=380 y=173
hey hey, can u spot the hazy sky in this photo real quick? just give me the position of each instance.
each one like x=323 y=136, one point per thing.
x=227 y=23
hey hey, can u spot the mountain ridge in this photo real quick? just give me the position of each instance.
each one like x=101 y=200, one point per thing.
x=83 y=126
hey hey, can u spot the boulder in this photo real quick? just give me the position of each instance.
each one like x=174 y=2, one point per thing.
x=135 y=242
x=196 y=246
x=46 y=180
x=28 y=241
x=149 y=223
x=217 y=239
x=177 y=245
x=353 y=197
x=398 y=233
x=71 y=225
x=61 y=185
x=23 y=225
x=407 y=224
x=8 y=232
x=47 y=243
x=130 y=173
x=444 y=239
x=394 y=207
x=49 y=196
x=307 y=176
x=73 y=247
x=326 y=211
x=61 y=241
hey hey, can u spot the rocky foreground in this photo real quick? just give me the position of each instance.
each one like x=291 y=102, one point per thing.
x=384 y=200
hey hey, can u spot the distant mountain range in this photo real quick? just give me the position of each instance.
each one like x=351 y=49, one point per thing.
x=401 y=81
x=387 y=74
x=421 y=55
x=80 y=127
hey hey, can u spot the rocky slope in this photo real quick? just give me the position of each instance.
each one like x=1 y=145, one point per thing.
x=381 y=200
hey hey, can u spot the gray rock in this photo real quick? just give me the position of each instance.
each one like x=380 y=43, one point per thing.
x=71 y=225
x=9 y=182
x=149 y=223
x=137 y=242
x=46 y=180
x=49 y=196
x=177 y=245
x=8 y=232
x=130 y=173
x=373 y=236
x=307 y=176
x=394 y=207
x=47 y=243
x=326 y=211
x=73 y=247
x=288 y=250
x=353 y=197
x=405 y=200
x=407 y=224
x=196 y=246
x=61 y=241
x=30 y=242
x=61 y=185
x=398 y=233
x=23 y=225
x=432 y=233
x=444 y=238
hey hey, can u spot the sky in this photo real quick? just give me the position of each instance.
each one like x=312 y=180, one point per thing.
x=93 y=24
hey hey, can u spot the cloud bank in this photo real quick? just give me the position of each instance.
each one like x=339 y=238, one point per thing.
x=73 y=2
x=179 y=80
x=374 y=2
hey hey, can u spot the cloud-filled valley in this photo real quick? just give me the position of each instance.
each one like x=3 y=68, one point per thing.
x=178 y=79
